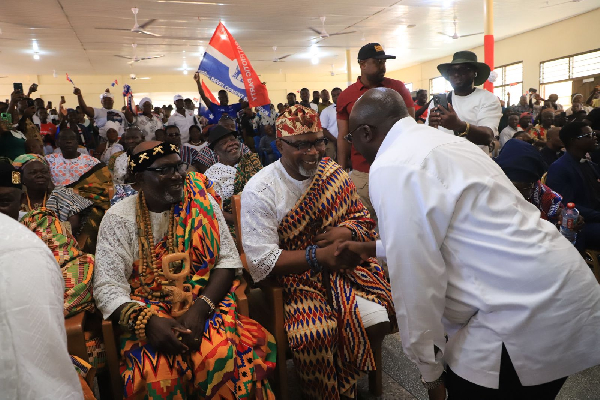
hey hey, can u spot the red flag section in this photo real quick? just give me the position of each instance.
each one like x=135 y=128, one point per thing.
x=209 y=94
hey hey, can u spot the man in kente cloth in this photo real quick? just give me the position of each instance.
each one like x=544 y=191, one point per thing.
x=165 y=271
x=294 y=212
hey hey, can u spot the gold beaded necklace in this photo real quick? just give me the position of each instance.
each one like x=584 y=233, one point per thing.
x=146 y=246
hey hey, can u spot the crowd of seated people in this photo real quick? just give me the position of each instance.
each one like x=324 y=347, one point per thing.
x=112 y=192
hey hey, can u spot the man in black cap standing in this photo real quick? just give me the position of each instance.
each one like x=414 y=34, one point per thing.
x=371 y=59
x=472 y=113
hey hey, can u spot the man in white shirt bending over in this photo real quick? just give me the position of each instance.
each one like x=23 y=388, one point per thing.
x=329 y=124
x=34 y=361
x=472 y=112
x=469 y=257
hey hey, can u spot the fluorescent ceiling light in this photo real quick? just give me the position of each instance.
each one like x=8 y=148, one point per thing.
x=315 y=60
x=36 y=56
x=200 y=3
x=35 y=46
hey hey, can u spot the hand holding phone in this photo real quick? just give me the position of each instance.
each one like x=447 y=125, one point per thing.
x=62 y=100
x=440 y=100
x=18 y=87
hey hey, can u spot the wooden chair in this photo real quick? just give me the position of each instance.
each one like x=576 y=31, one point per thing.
x=75 y=328
x=591 y=258
x=275 y=325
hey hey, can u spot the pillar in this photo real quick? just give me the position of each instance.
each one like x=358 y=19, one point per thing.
x=349 y=67
x=488 y=40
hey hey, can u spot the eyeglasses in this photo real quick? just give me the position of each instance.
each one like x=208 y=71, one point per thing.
x=348 y=137
x=169 y=170
x=305 y=146
x=589 y=134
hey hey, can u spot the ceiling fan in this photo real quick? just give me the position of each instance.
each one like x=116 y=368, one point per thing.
x=558 y=4
x=455 y=35
x=133 y=77
x=141 y=29
x=275 y=58
x=135 y=58
x=323 y=33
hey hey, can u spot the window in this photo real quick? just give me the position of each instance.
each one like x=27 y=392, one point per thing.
x=509 y=82
x=439 y=85
x=409 y=86
x=556 y=76
x=566 y=68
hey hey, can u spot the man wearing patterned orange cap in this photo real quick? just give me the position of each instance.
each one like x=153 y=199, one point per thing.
x=295 y=212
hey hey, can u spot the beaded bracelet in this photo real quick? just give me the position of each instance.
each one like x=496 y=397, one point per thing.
x=126 y=314
x=311 y=258
x=209 y=302
x=142 y=321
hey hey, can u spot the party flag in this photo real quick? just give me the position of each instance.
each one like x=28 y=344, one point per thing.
x=114 y=83
x=70 y=80
x=226 y=65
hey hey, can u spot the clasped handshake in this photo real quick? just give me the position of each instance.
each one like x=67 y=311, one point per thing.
x=338 y=252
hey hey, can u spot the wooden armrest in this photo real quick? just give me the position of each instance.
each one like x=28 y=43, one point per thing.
x=110 y=337
x=242 y=299
x=74 y=326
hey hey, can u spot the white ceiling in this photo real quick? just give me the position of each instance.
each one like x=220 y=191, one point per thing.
x=69 y=41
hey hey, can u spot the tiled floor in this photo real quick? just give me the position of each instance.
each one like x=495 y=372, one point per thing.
x=401 y=379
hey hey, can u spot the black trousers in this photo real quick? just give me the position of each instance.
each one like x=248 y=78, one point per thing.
x=510 y=387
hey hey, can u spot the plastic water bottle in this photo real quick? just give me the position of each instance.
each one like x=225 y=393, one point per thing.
x=569 y=219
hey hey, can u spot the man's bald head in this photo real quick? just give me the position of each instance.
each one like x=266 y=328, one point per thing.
x=372 y=117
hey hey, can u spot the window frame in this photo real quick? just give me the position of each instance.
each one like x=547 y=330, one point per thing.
x=570 y=58
x=507 y=85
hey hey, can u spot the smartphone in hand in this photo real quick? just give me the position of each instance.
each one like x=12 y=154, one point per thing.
x=440 y=100
x=18 y=86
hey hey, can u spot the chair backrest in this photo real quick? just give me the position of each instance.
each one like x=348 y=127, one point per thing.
x=236 y=208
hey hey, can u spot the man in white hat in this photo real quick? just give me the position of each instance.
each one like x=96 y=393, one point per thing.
x=147 y=120
x=182 y=119
x=104 y=114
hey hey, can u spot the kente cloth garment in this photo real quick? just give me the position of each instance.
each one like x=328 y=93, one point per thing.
x=329 y=342
x=229 y=181
x=547 y=201
x=77 y=267
x=67 y=171
x=83 y=370
x=236 y=355
x=62 y=201
x=93 y=186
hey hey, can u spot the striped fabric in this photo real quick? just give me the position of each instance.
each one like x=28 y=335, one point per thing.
x=236 y=354
x=328 y=341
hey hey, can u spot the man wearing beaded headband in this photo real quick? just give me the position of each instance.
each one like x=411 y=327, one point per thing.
x=177 y=213
x=294 y=212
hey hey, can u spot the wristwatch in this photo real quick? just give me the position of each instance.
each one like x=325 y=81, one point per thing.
x=434 y=384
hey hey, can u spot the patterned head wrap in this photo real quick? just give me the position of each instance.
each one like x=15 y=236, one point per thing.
x=23 y=159
x=298 y=120
x=142 y=160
